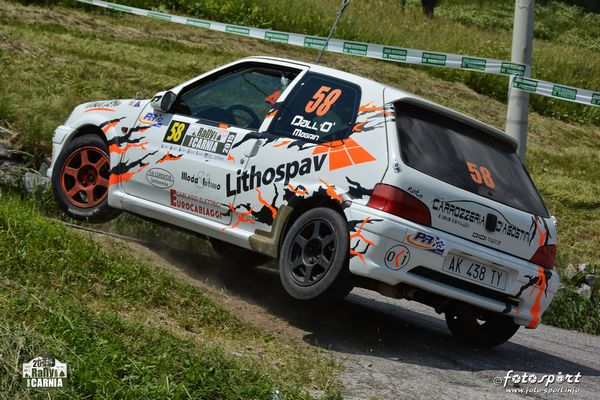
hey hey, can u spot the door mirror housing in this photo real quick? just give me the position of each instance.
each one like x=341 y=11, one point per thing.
x=163 y=101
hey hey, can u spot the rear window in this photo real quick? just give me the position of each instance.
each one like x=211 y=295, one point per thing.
x=465 y=157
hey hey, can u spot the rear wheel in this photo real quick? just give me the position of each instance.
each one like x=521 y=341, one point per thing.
x=480 y=327
x=313 y=260
x=80 y=180
x=238 y=256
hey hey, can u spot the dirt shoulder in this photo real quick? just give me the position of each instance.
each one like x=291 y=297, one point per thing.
x=388 y=348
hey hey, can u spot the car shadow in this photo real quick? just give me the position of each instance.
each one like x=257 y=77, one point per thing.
x=372 y=326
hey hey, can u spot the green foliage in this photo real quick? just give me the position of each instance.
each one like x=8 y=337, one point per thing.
x=554 y=21
x=572 y=311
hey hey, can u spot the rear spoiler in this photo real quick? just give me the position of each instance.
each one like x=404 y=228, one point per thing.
x=447 y=112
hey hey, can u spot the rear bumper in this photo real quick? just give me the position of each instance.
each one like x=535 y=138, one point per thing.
x=526 y=295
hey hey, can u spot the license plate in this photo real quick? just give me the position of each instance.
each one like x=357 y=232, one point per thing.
x=476 y=272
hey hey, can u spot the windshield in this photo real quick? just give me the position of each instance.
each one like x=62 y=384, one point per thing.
x=465 y=157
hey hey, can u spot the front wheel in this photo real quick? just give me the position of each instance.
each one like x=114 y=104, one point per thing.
x=480 y=327
x=80 y=180
x=313 y=260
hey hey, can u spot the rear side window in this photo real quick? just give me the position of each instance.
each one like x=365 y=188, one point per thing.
x=465 y=157
x=321 y=109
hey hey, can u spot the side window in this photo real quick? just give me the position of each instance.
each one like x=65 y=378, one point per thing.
x=240 y=98
x=321 y=109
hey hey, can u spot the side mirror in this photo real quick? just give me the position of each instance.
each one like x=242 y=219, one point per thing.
x=163 y=101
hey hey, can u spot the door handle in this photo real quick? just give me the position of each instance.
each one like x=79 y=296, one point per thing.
x=254 y=150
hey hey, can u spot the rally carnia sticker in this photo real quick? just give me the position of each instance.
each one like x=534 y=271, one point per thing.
x=44 y=373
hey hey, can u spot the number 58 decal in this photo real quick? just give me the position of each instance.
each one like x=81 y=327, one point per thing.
x=481 y=175
x=175 y=132
x=322 y=100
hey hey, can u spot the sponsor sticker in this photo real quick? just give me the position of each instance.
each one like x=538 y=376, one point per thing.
x=397 y=257
x=564 y=92
x=157 y=15
x=314 y=42
x=239 y=30
x=458 y=212
x=392 y=53
x=426 y=241
x=251 y=179
x=195 y=204
x=201 y=180
x=135 y=103
x=473 y=63
x=197 y=22
x=277 y=37
x=199 y=139
x=525 y=84
x=509 y=68
x=44 y=373
x=151 y=119
x=160 y=178
x=208 y=139
x=317 y=128
x=433 y=58
x=103 y=104
x=357 y=49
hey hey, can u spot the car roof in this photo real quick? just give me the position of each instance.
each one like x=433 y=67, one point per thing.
x=393 y=95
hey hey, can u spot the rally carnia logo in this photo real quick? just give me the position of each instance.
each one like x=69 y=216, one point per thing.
x=44 y=373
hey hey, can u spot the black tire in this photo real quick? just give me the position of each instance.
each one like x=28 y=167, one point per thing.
x=238 y=256
x=79 y=206
x=313 y=262
x=480 y=327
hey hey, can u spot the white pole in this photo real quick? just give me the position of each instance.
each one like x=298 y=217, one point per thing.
x=522 y=46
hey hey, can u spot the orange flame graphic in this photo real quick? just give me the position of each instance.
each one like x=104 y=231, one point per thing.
x=264 y=202
x=240 y=217
x=331 y=191
x=535 y=310
x=113 y=148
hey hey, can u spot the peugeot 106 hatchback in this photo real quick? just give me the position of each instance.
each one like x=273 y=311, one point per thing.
x=347 y=182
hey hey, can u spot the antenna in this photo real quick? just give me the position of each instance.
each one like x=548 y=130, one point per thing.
x=345 y=4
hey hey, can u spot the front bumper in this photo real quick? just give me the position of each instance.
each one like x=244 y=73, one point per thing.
x=528 y=291
x=58 y=139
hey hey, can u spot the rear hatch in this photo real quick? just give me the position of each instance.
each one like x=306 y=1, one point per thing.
x=472 y=180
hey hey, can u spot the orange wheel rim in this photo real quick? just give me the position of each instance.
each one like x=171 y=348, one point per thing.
x=84 y=177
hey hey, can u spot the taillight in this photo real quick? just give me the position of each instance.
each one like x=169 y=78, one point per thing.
x=545 y=256
x=396 y=201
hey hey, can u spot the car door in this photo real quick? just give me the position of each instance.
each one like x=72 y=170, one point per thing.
x=209 y=133
x=315 y=145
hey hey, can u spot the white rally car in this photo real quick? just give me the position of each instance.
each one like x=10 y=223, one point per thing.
x=346 y=181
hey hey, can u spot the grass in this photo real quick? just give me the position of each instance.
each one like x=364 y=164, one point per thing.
x=126 y=330
x=472 y=27
x=55 y=58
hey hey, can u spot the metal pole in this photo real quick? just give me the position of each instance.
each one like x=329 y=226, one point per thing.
x=522 y=47
x=337 y=19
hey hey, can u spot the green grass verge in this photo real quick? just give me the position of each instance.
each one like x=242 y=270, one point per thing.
x=126 y=330
x=55 y=58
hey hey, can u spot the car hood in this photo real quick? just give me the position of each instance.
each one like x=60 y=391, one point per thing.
x=106 y=109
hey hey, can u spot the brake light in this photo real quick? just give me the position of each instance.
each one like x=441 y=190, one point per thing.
x=545 y=256
x=398 y=202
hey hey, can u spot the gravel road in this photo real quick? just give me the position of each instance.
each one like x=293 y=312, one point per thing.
x=395 y=349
